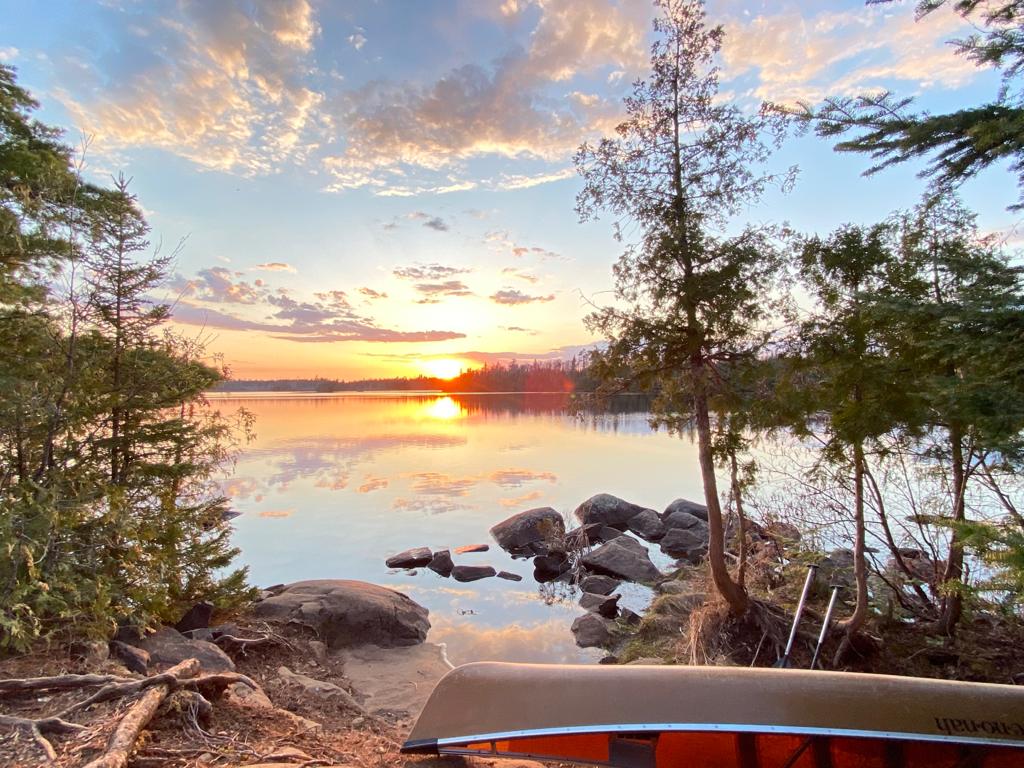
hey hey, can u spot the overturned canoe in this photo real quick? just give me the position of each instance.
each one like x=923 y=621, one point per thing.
x=720 y=717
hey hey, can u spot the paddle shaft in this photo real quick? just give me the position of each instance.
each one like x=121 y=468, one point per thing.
x=784 y=661
x=826 y=623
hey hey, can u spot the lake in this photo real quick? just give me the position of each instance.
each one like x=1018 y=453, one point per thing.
x=334 y=484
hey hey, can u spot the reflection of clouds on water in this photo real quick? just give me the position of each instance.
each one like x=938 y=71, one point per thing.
x=435 y=483
x=277 y=513
x=545 y=641
x=433 y=506
x=371 y=484
x=519 y=501
x=513 y=478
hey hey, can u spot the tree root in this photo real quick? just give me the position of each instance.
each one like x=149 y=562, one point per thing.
x=36 y=729
x=16 y=685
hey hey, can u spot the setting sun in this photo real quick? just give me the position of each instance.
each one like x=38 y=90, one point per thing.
x=442 y=368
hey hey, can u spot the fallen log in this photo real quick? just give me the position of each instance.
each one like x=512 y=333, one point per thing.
x=123 y=739
x=16 y=685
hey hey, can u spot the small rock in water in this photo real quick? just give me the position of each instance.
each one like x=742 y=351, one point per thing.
x=623 y=558
x=410 y=558
x=550 y=567
x=599 y=585
x=472 y=572
x=509 y=576
x=531 y=532
x=441 y=563
x=593 y=631
x=632 y=618
x=607 y=606
x=467 y=549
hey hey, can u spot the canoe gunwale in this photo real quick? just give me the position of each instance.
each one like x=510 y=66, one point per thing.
x=449 y=744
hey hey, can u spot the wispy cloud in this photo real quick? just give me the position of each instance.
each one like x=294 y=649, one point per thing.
x=514 y=297
x=429 y=271
x=432 y=293
x=276 y=266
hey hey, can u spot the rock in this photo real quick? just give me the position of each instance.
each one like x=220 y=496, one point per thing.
x=623 y=558
x=646 y=661
x=630 y=617
x=135 y=659
x=344 y=612
x=647 y=525
x=318 y=649
x=690 y=507
x=394 y=680
x=91 y=652
x=241 y=695
x=608 y=510
x=410 y=558
x=688 y=544
x=470 y=548
x=167 y=647
x=275 y=589
x=319 y=688
x=289 y=755
x=472 y=572
x=673 y=587
x=441 y=563
x=196 y=617
x=509 y=576
x=593 y=631
x=608 y=659
x=532 y=532
x=549 y=567
x=604 y=605
x=836 y=568
x=599 y=585
x=684 y=521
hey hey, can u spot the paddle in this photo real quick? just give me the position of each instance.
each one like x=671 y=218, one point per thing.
x=783 y=662
x=826 y=623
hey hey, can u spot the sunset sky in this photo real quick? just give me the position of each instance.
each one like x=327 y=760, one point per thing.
x=369 y=185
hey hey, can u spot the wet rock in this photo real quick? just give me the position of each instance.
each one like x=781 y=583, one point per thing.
x=599 y=585
x=532 y=532
x=472 y=572
x=344 y=612
x=623 y=558
x=690 y=507
x=607 y=510
x=549 y=567
x=167 y=647
x=509 y=576
x=92 y=652
x=593 y=631
x=196 y=617
x=603 y=605
x=629 y=617
x=673 y=587
x=470 y=548
x=441 y=563
x=134 y=659
x=647 y=524
x=686 y=544
x=410 y=558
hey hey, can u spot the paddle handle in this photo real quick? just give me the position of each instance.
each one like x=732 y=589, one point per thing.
x=825 y=624
x=799 y=612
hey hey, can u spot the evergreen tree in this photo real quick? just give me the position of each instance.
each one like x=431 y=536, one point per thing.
x=680 y=165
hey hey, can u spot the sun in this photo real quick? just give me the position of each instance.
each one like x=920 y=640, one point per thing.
x=442 y=367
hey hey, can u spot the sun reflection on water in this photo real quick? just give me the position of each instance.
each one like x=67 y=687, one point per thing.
x=443 y=408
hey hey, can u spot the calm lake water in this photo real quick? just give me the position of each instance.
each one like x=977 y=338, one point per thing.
x=334 y=484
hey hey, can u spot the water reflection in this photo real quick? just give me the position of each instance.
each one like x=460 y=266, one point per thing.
x=333 y=484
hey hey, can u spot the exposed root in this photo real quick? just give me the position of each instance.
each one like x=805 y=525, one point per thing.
x=16 y=685
x=36 y=729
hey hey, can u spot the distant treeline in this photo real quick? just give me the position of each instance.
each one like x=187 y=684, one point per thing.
x=572 y=375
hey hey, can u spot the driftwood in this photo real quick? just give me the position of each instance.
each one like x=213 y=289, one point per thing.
x=17 y=685
x=122 y=741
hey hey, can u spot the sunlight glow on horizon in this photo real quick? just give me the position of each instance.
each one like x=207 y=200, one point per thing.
x=443 y=367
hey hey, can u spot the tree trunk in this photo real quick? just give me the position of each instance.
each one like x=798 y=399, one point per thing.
x=860 y=567
x=952 y=577
x=737 y=495
x=733 y=593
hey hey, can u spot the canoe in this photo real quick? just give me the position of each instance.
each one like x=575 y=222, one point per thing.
x=720 y=717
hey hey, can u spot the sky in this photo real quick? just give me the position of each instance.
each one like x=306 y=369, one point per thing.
x=386 y=187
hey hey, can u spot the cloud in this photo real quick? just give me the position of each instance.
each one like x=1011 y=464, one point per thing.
x=513 y=297
x=370 y=293
x=276 y=266
x=433 y=292
x=519 y=329
x=436 y=484
x=218 y=285
x=520 y=274
x=501 y=240
x=796 y=55
x=271 y=513
x=8 y=53
x=222 y=84
x=433 y=506
x=429 y=271
x=431 y=222
x=357 y=39
x=371 y=484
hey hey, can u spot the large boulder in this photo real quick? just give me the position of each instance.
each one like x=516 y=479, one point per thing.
x=472 y=572
x=167 y=647
x=344 y=612
x=690 y=507
x=684 y=521
x=836 y=568
x=533 y=532
x=686 y=543
x=607 y=510
x=622 y=558
x=647 y=524
x=599 y=585
x=593 y=631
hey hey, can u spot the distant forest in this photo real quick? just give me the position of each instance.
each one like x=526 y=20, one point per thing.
x=571 y=375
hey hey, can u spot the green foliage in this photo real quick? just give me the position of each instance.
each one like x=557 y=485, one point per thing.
x=109 y=509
